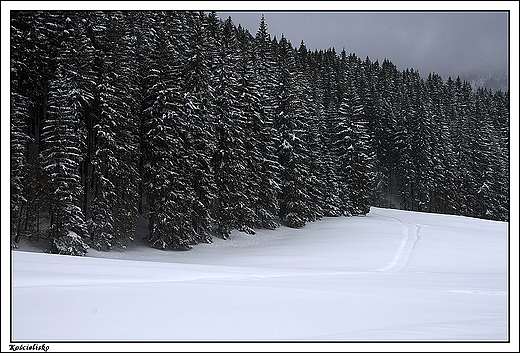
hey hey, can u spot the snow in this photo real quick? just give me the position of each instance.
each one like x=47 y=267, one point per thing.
x=389 y=276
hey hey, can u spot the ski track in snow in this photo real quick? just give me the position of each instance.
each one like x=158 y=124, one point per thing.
x=410 y=232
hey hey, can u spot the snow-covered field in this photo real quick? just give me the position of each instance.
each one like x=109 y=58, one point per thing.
x=391 y=275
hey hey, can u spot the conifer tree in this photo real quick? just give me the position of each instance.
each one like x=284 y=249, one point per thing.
x=423 y=143
x=443 y=200
x=20 y=116
x=232 y=209
x=313 y=116
x=331 y=71
x=252 y=132
x=463 y=133
x=500 y=117
x=64 y=136
x=199 y=109
x=295 y=201
x=33 y=47
x=266 y=161
x=355 y=160
x=487 y=160
x=388 y=137
x=167 y=164
x=114 y=207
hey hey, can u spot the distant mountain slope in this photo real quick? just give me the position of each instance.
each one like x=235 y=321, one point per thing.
x=495 y=81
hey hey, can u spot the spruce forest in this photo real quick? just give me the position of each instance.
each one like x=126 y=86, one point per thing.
x=198 y=127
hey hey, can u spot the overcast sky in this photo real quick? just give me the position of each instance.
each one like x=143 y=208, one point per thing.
x=448 y=43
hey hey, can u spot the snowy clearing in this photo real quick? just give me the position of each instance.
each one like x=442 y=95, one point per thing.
x=391 y=275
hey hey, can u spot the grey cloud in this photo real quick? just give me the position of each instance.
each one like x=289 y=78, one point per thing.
x=448 y=43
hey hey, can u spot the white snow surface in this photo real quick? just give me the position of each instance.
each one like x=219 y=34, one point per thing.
x=388 y=276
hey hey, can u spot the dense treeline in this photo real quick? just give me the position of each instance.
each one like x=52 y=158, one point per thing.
x=202 y=128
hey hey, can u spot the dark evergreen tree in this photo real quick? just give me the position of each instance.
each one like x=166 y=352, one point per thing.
x=463 y=134
x=33 y=46
x=252 y=131
x=20 y=115
x=295 y=201
x=500 y=117
x=232 y=209
x=64 y=136
x=388 y=136
x=487 y=160
x=406 y=168
x=332 y=71
x=313 y=116
x=116 y=179
x=199 y=112
x=265 y=161
x=355 y=160
x=442 y=200
x=19 y=166
x=166 y=137
x=418 y=119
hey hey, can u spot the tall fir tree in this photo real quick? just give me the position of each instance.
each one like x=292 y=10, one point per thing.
x=263 y=130
x=355 y=159
x=463 y=134
x=20 y=115
x=500 y=117
x=64 y=135
x=295 y=201
x=115 y=160
x=487 y=161
x=443 y=200
x=313 y=115
x=199 y=109
x=232 y=208
x=33 y=48
x=167 y=167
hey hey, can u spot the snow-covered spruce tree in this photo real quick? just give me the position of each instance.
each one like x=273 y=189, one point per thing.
x=324 y=169
x=378 y=113
x=292 y=150
x=254 y=142
x=329 y=83
x=500 y=117
x=264 y=159
x=462 y=134
x=199 y=109
x=487 y=172
x=365 y=126
x=451 y=115
x=166 y=137
x=442 y=200
x=19 y=170
x=355 y=159
x=230 y=164
x=32 y=47
x=422 y=134
x=115 y=160
x=343 y=145
x=313 y=116
x=63 y=137
x=19 y=125
x=387 y=135
x=403 y=144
